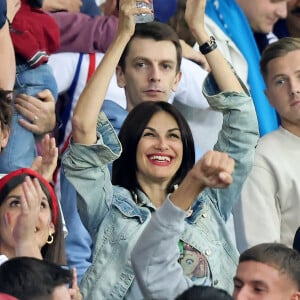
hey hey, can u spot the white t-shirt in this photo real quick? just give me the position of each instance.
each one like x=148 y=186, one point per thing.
x=3 y=259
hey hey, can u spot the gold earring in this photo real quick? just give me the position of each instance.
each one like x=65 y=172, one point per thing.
x=50 y=239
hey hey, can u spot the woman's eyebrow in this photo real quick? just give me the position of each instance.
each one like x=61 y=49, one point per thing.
x=13 y=197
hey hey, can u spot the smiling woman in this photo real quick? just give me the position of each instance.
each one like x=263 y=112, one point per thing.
x=162 y=132
x=153 y=166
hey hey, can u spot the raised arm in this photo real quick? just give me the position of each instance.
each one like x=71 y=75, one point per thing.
x=221 y=70
x=90 y=102
x=155 y=255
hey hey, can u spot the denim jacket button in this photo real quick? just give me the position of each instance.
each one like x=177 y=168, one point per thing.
x=207 y=252
x=204 y=215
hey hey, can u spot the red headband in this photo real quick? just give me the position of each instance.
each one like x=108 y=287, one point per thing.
x=4 y=180
x=7 y=297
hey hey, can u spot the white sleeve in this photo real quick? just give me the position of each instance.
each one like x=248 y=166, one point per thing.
x=257 y=215
x=189 y=91
x=3 y=259
x=63 y=67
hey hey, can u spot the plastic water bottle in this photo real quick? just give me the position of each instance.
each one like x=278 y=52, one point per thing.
x=144 y=18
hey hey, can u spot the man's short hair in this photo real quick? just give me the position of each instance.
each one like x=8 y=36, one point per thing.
x=29 y=278
x=197 y=292
x=157 y=31
x=284 y=259
x=277 y=49
x=6 y=109
x=296 y=243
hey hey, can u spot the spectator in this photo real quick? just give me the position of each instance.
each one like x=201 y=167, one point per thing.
x=266 y=271
x=270 y=271
x=31 y=223
x=79 y=245
x=223 y=19
x=25 y=230
x=43 y=164
x=29 y=278
x=96 y=33
x=157 y=158
x=230 y=15
x=268 y=211
x=34 y=35
x=197 y=292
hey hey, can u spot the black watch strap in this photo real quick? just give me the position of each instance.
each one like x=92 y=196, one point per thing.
x=208 y=46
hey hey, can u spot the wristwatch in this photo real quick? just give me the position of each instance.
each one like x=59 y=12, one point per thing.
x=208 y=46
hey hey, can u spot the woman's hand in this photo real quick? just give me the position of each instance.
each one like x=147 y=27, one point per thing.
x=74 y=290
x=127 y=12
x=194 y=14
x=24 y=229
x=38 y=112
x=46 y=163
x=213 y=170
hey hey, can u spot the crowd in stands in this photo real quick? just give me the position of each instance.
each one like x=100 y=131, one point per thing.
x=155 y=160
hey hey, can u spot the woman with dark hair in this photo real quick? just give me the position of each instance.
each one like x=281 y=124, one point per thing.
x=130 y=135
x=31 y=223
x=154 y=164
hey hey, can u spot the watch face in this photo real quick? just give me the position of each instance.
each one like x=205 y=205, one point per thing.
x=208 y=46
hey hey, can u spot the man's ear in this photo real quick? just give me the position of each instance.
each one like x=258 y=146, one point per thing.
x=120 y=77
x=176 y=81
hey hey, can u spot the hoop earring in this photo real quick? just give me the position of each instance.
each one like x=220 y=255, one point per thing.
x=50 y=239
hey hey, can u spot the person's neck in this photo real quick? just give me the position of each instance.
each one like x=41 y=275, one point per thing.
x=156 y=191
x=7 y=251
x=292 y=128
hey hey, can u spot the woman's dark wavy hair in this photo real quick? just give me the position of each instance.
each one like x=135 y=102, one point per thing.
x=54 y=252
x=125 y=167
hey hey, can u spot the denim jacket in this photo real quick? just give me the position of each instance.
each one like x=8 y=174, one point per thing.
x=115 y=221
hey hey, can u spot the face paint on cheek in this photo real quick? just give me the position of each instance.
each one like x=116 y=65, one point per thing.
x=7 y=219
